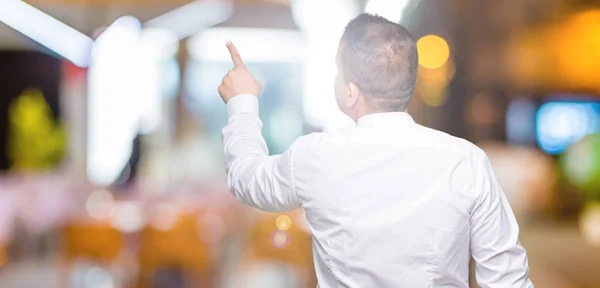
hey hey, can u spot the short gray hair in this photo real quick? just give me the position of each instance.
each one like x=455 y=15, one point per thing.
x=380 y=57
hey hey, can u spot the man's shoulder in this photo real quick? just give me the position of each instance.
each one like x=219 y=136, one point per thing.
x=313 y=139
x=423 y=137
x=335 y=136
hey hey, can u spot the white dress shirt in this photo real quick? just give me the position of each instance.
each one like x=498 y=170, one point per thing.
x=389 y=203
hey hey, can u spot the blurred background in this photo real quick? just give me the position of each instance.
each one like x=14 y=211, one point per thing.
x=111 y=169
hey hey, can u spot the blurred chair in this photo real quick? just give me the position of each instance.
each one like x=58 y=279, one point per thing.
x=97 y=241
x=291 y=247
x=179 y=246
x=3 y=257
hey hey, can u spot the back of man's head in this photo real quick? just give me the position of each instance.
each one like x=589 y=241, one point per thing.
x=380 y=58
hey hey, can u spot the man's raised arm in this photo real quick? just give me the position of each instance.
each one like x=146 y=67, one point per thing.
x=254 y=177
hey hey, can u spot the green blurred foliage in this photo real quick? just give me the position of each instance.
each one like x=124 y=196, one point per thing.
x=581 y=166
x=36 y=140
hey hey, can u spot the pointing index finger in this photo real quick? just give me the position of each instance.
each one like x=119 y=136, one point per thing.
x=235 y=56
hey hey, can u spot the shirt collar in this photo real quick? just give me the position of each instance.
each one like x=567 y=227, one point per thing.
x=382 y=119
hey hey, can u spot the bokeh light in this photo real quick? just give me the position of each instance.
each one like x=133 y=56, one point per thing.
x=283 y=222
x=560 y=124
x=589 y=223
x=581 y=165
x=157 y=212
x=433 y=51
x=578 y=47
x=98 y=278
x=165 y=216
x=389 y=9
x=280 y=239
x=561 y=55
x=128 y=217
x=100 y=204
x=432 y=84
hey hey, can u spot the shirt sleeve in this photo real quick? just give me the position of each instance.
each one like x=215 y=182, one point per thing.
x=255 y=178
x=500 y=260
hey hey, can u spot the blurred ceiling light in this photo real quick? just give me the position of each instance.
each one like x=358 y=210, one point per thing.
x=156 y=48
x=194 y=17
x=254 y=44
x=122 y=25
x=46 y=30
x=113 y=117
x=124 y=92
x=433 y=51
x=389 y=9
x=323 y=23
x=317 y=16
x=158 y=43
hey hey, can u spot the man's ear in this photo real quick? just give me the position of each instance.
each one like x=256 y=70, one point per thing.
x=354 y=94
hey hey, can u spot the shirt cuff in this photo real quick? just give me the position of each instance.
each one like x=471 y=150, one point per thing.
x=243 y=104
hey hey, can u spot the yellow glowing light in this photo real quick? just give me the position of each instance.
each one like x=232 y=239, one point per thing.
x=589 y=223
x=432 y=83
x=433 y=51
x=579 y=60
x=283 y=222
x=433 y=96
x=438 y=77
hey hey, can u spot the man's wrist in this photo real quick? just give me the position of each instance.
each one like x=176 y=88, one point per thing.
x=242 y=104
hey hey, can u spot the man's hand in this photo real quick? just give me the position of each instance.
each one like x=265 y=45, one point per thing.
x=238 y=80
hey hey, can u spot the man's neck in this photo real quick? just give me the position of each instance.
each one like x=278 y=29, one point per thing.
x=366 y=112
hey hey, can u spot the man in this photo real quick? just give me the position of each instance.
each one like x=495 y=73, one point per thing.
x=390 y=203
